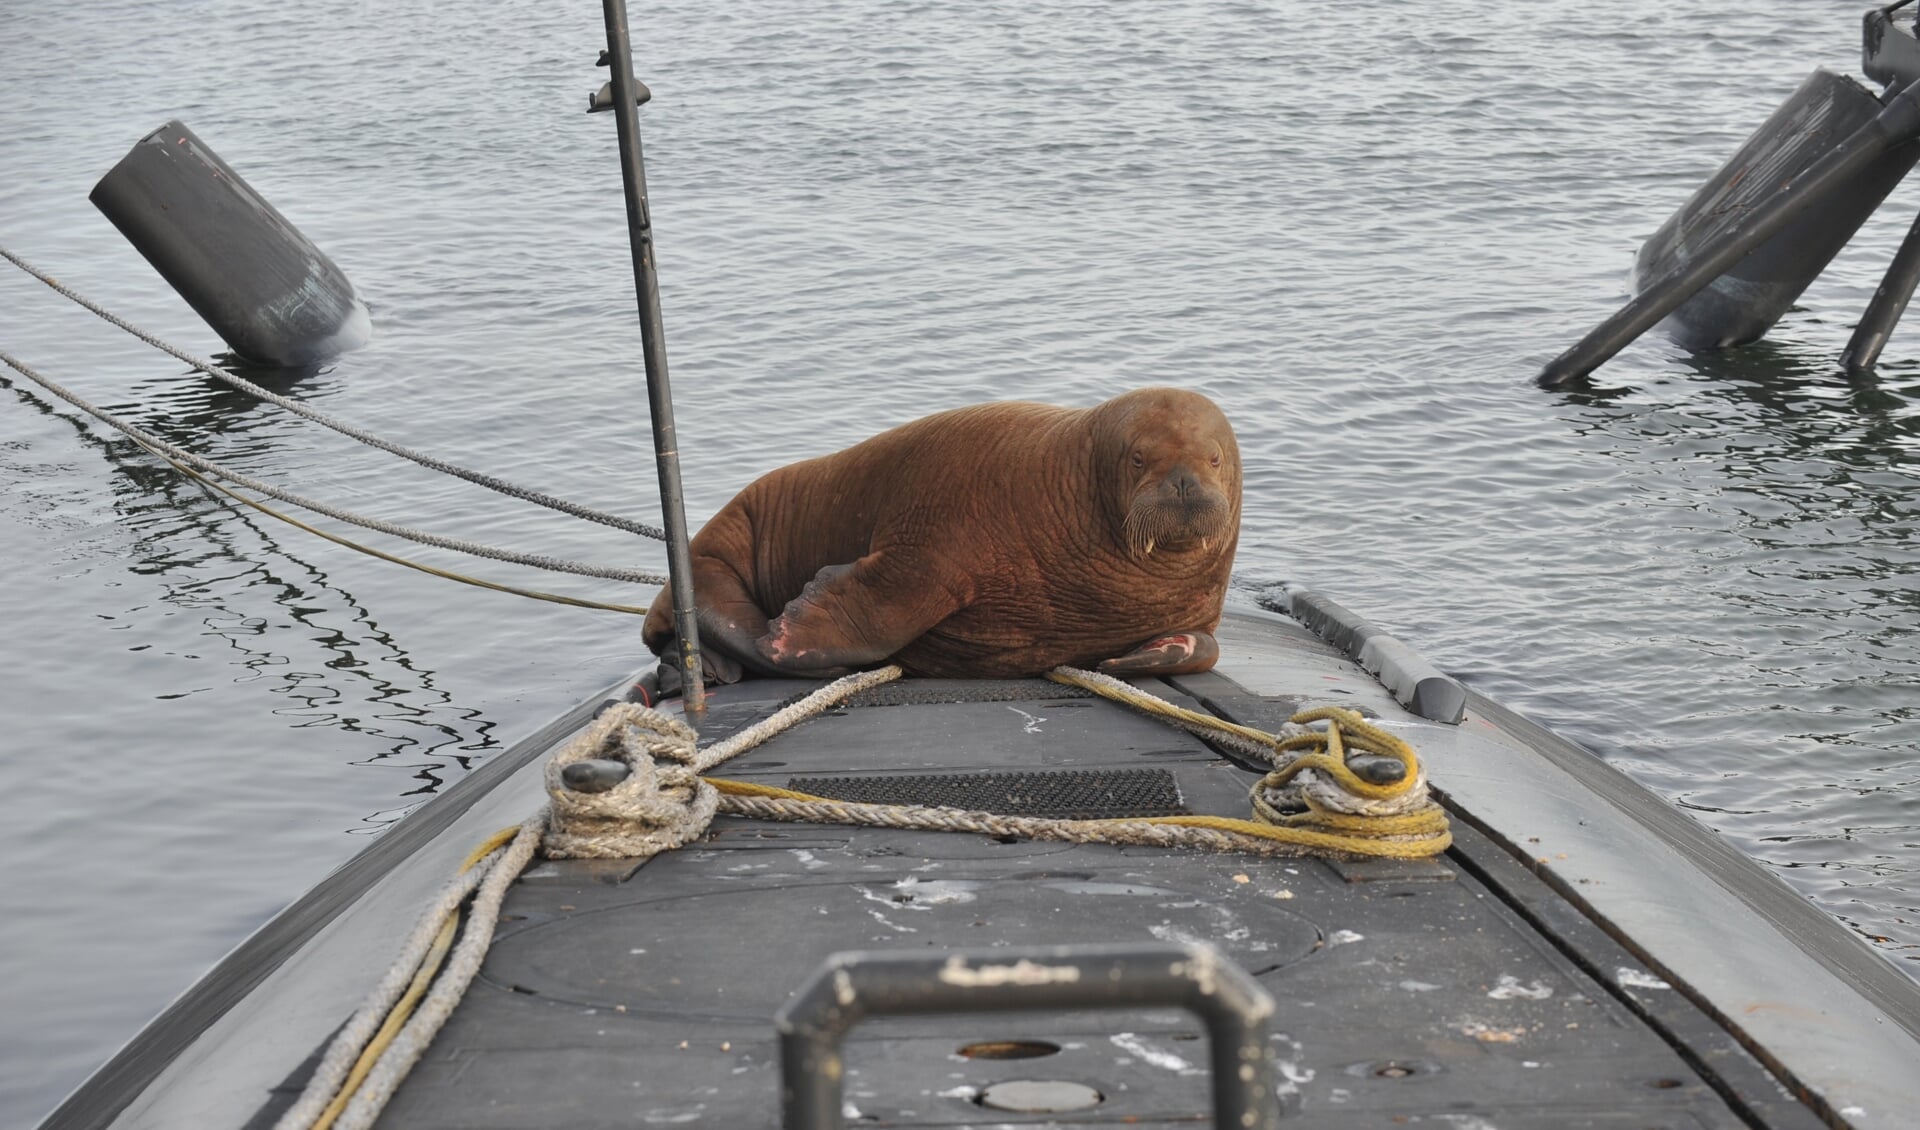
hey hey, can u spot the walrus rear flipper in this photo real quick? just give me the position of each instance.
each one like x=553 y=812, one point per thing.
x=1182 y=653
x=852 y=616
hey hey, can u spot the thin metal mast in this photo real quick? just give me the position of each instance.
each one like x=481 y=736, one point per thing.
x=654 y=349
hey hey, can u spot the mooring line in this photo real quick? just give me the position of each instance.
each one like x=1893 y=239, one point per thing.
x=181 y=456
x=420 y=566
x=512 y=490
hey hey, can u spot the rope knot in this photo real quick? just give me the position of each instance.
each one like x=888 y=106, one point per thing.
x=1314 y=772
x=661 y=803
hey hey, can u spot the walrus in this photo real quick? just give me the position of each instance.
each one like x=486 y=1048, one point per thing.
x=994 y=541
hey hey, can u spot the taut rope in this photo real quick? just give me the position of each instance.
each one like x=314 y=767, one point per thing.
x=511 y=490
x=184 y=459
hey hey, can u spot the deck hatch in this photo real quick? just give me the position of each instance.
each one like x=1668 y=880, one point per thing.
x=1063 y=795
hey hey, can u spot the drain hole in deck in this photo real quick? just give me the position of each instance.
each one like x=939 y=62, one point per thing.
x=1395 y=1068
x=1039 y=1096
x=1010 y=1049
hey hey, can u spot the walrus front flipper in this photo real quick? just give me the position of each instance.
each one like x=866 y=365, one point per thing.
x=1182 y=653
x=728 y=618
x=852 y=616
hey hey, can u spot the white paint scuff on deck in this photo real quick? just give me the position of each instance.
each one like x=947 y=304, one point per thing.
x=1510 y=987
x=1134 y=1045
x=890 y=924
x=1292 y=1075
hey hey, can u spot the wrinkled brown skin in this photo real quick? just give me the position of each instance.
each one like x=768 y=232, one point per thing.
x=985 y=542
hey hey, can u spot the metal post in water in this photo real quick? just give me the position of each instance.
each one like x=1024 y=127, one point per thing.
x=1743 y=304
x=1897 y=123
x=1889 y=302
x=654 y=349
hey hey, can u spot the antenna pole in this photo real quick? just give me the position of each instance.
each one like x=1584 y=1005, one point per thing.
x=654 y=349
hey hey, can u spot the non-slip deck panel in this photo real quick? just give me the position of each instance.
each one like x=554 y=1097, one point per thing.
x=914 y=692
x=1072 y=794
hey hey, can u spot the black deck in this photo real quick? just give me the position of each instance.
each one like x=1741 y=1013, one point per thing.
x=1450 y=993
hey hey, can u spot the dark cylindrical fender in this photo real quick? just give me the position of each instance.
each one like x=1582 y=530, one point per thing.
x=1743 y=304
x=262 y=286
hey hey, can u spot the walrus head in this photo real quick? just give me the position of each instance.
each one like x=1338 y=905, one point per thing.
x=1172 y=456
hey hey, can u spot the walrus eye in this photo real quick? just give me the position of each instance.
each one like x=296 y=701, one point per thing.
x=1215 y=460
x=1138 y=460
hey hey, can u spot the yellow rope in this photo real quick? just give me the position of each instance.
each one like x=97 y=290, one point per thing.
x=1415 y=835
x=396 y=1019
x=1150 y=704
x=748 y=788
x=488 y=846
x=1345 y=728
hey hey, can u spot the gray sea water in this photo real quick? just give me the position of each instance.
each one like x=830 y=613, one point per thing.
x=1361 y=230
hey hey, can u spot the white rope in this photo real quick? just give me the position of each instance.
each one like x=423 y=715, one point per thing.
x=660 y=804
x=340 y=1054
x=159 y=446
x=502 y=486
x=449 y=987
x=663 y=806
x=813 y=704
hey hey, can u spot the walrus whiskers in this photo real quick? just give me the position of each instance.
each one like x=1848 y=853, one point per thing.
x=1149 y=522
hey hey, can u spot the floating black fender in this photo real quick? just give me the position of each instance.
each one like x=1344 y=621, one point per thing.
x=263 y=287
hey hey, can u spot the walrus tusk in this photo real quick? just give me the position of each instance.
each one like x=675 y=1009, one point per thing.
x=1149 y=550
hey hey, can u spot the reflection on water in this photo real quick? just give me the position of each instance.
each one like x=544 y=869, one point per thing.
x=200 y=403
x=1791 y=491
x=204 y=556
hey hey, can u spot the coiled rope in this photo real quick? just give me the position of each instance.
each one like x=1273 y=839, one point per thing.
x=502 y=486
x=658 y=807
x=183 y=458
